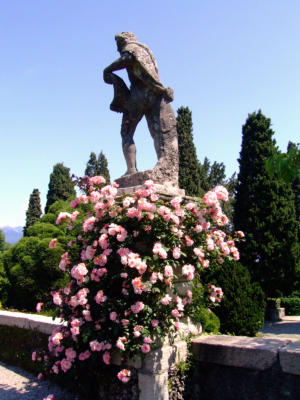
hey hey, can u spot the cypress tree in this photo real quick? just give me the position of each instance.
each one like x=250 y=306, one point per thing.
x=92 y=165
x=103 y=167
x=97 y=166
x=34 y=210
x=296 y=191
x=189 y=174
x=60 y=185
x=264 y=210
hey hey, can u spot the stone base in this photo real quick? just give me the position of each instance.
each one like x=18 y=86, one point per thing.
x=166 y=190
x=132 y=182
x=275 y=314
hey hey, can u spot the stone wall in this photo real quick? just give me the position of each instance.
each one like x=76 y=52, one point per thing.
x=242 y=368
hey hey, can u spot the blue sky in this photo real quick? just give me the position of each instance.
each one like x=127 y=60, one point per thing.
x=224 y=59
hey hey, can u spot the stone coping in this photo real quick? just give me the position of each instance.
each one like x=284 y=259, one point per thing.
x=37 y=322
x=247 y=352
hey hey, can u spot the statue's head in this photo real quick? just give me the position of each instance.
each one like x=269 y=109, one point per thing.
x=123 y=38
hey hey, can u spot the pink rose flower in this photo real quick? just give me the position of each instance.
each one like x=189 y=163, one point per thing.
x=145 y=348
x=176 y=253
x=53 y=244
x=168 y=271
x=106 y=357
x=137 y=307
x=124 y=375
x=39 y=307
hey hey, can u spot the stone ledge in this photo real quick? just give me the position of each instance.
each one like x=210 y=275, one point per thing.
x=40 y=323
x=289 y=358
x=239 y=351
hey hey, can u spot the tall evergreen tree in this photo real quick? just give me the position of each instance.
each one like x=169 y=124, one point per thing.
x=92 y=165
x=98 y=166
x=296 y=191
x=103 y=167
x=189 y=174
x=60 y=185
x=34 y=210
x=264 y=210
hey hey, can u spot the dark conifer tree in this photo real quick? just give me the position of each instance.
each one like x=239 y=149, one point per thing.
x=60 y=185
x=98 y=166
x=189 y=176
x=103 y=167
x=264 y=210
x=34 y=210
x=296 y=191
x=92 y=166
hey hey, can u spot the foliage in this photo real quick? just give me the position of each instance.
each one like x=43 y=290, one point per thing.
x=3 y=245
x=285 y=165
x=98 y=166
x=128 y=252
x=60 y=185
x=34 y=210
x=189 y=177
x=4 y=284
x=296 y=190
x=31 y=269
x=242 y=309
x=17 y=344
x=200 y=313
x=264 y=211
x=209 y=321
x=30 y=266
x=291 y=305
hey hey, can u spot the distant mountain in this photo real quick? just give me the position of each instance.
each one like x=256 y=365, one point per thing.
x=12 y=234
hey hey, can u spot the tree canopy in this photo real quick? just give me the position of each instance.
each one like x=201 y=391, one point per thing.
x=264 y=211
x=60 y=185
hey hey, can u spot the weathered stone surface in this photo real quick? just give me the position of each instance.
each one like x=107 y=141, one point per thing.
x=238 y=351
x=153 y=387
x=146 y=97
x=40 y=323
x=159 y=360
x=289 y=358
x=275 y=314
x=165 y=191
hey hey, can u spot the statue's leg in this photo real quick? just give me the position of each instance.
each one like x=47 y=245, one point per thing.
x=162 y=125
x=129 y=124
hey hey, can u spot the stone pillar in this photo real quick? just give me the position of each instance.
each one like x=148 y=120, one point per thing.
x=153 y=374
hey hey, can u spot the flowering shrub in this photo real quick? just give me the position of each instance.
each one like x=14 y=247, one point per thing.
x=128 y=253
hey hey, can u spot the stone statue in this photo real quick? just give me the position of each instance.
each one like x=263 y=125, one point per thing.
x=146 y=97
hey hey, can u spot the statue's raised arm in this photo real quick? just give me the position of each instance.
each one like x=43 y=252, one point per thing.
x=146 y=97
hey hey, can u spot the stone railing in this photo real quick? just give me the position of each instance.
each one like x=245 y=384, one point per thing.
x=227 y=367
x=152 y=373
x=243 y=368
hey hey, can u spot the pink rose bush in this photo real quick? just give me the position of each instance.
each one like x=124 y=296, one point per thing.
x=127 y=255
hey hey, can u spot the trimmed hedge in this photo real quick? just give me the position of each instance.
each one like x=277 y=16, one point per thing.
x=291 y=305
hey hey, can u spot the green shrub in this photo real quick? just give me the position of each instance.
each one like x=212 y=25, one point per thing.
x=208 y=319
x=291 y=305
x=242 y=309
x=32 y=271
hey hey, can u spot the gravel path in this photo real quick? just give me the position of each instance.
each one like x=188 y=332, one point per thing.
x=289 y=328
x=16 y=384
